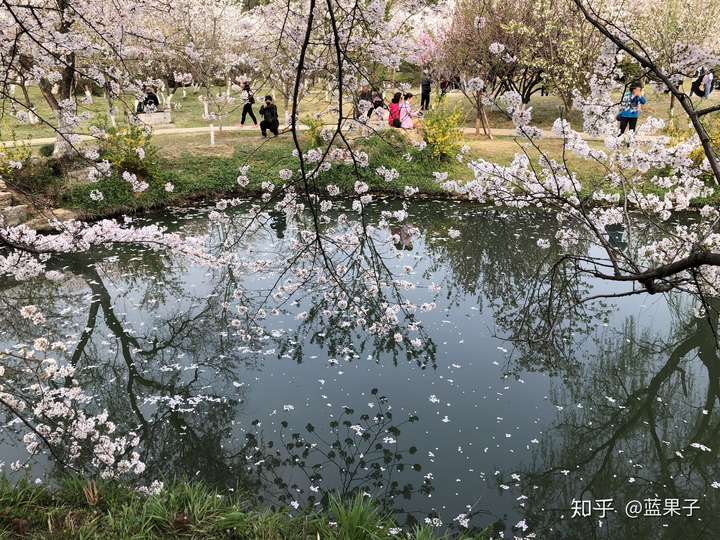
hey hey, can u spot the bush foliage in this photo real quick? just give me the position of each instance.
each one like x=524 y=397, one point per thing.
x=130 y=149
x=442 y=131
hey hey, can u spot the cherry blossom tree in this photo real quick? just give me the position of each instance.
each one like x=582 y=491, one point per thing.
x=675 y=33
x=54 y=43
x=208 y=44
x=663 y=253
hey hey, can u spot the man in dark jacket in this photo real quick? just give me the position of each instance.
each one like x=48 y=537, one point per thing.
x=150 y=102
x=425 y=87
x=269 y=114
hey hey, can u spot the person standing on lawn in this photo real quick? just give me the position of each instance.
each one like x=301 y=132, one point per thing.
x=425 y=89
x=632 y=103
x=248 y=100
x=270 y=121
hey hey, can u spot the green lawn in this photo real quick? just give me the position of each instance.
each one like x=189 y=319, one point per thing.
x=196 y=169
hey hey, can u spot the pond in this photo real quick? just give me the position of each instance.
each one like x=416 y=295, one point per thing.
x=513 y=400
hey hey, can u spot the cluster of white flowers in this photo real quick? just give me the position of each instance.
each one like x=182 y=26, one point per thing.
x=475 y=84
x=361 y=187
x=496 y=48
x=314 y=155
x=463 y=520
x=389 y=175
x=138 y=186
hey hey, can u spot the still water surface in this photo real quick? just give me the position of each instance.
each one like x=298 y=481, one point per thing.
x=507 y=423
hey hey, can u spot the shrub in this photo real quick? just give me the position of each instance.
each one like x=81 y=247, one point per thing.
x=46 y=150
x=314 y=132
x=13 y=159
x=129 y=149
x=442 y=131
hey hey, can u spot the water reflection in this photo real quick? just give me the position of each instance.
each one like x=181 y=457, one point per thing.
x=513 y=375
x=535 y=303
x=639 y=422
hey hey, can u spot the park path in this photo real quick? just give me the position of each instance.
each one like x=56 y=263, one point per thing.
x=497 y=132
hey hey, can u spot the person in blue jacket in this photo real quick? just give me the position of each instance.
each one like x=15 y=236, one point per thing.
x=630 y=107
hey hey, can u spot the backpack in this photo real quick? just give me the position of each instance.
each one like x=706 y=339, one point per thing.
x=251 y=99
x=695 y=87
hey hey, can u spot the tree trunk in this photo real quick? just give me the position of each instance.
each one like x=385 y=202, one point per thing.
x=286 y=106
x=567 y=103
x=63 y=146
x=110 y=107
x=482 y=119
x=65 y=125
x=26 y=95
x=672 y=106
x=487 y=125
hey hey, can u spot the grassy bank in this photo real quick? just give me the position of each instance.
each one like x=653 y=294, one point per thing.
x=196 y=170
x=78 y=509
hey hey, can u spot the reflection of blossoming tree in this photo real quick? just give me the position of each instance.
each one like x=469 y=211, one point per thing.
x=537 y=306
x=354 y=456
x=619 y=435
x=145 y=359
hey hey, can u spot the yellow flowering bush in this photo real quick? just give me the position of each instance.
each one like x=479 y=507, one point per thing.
x=13 y=158
x=442 y=131
x=129 y=149
x=314 y=131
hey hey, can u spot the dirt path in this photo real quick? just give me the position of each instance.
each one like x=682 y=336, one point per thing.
x=499 y=132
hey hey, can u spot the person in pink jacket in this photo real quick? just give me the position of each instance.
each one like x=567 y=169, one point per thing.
x=406 y=113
